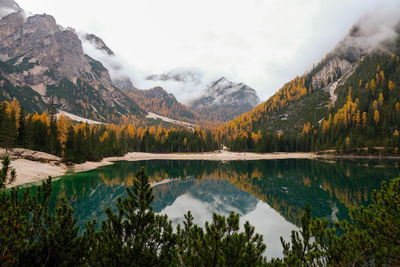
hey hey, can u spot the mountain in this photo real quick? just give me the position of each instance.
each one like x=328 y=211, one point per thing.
x=223 y=100
x=237 y=98
x=307 y=98
x=41 y=61
x=159 y=101
x=155 y=100
x=349 y=100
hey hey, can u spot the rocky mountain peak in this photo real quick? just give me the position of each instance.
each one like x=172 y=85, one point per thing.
x=225 y=100
x=42 y=24
x=156 y=92
x=124 y=84
x=41 y=41
x=160 y=92
x=49 y=62
x=98 y=43
x=224 y=91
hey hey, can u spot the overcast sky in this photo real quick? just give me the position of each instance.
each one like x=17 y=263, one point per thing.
x=261 y=43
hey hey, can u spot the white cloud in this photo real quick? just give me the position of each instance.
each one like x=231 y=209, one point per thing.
x=265 y=219
x=261 y=43
x=271 y=225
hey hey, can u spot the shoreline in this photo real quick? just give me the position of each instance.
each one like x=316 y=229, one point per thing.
x=209 y=156
x=32 y=166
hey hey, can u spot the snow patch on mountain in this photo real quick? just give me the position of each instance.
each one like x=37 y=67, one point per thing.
x=76 y=118
x=154 y=116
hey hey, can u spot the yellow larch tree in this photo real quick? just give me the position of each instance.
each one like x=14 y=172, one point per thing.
x=15 y=107
x=358 y=118
x=306 y=128
x=63 y=124
x=391 y=85
x=397 y=107
x=364 y=119
x=382 y=76
x=381 y=99
x=372 y=84
x=376 y=116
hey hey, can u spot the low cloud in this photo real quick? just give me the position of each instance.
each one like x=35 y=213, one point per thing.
x=185 y=84
x=376 y=29
x=260 y=43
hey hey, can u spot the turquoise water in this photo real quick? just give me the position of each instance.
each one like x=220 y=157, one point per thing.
x=271 y=194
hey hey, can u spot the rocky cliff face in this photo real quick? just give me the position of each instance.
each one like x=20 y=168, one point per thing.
x=332 y=70
x=340 y=62
x=38 y=54
x=40 y=40
x=225 y=100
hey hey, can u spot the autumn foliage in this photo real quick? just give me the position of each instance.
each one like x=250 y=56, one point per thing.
x=78 y=142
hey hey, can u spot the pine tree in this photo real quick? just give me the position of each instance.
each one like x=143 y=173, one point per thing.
x=136 y=236
x=22 y=129
x=53 y=143
x=8 y=127
x=69 y=153
x=7 y=173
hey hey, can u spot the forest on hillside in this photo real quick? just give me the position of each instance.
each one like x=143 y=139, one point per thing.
x=366 y=114
x=79 y=142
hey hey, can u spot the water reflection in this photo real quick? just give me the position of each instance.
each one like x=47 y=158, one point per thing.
x=271 y=194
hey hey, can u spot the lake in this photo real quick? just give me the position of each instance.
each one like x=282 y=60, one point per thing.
x=271 y=194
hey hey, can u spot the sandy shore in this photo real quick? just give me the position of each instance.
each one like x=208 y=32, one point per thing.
x=37 y=169
x=29 y=171
x=212 y=156
x=32 y=166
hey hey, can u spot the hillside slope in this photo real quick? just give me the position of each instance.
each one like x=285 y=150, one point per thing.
x=348 y=100
x=159 y=101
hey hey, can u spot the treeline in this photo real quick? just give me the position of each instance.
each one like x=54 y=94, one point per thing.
x=34 y=235
x=78 y=142
x=266 y=142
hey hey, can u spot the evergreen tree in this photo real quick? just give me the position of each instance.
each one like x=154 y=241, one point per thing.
x=136 y=236
x=54 y=144
x=8 y=128
x=7 y=174
x=21 y=139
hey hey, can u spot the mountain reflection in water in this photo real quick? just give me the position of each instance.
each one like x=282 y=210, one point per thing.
x=271 y=194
